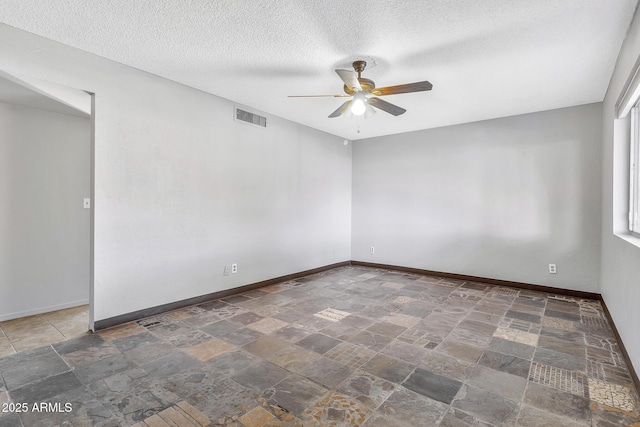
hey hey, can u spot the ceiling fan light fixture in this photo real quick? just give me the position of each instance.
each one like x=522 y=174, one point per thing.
x=358 y=106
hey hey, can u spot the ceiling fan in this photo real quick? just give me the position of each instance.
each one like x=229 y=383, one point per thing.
x=365 y=94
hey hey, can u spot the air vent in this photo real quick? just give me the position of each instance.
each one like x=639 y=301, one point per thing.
x=251 y=118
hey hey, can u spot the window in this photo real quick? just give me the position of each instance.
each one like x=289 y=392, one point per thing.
x=634 y=171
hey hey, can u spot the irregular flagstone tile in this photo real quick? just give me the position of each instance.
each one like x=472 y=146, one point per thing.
x=187 y=312
x=336 y=408
x=557 y=402
x=532 y=417
x=486 y=406
x=256 y=417
x=326 y=372
x=392 y=285
x=405 y=408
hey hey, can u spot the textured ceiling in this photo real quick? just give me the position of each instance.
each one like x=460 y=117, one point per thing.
x=485 y=59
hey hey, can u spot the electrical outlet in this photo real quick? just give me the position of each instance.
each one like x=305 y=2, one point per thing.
x=234 y=268
x=227 y=269
x=552 y=269
x=372 y=250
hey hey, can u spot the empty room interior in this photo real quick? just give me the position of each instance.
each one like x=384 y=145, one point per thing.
x=319 y=214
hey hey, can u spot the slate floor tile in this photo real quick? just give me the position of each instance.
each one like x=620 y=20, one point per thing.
x=375 y=342
x=505 y=363
x=486 y=406
x=557 y=402
x=260 y=376
x=319 y=343
x=404 y=408
x=326 y=372
x=388 y=368
x=434 y=386
x=39 y=391
x=296 y=394
x=500 y=356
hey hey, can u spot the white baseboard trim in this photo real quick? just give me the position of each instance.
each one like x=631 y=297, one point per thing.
x=40 y=310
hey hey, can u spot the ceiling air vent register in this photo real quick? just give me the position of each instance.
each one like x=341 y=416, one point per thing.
x=250 y=118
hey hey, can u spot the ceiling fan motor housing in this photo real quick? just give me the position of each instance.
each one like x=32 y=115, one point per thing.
x=366 y=84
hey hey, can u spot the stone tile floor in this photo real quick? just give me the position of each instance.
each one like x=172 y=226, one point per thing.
x=31 y=332
x=352 y=346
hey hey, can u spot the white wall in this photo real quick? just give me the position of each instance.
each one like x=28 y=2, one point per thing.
x=499 y=199
x=181 y=189
x=44 y=231
x=620 y=281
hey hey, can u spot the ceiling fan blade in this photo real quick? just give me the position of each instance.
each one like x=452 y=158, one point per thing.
x=318 y=96
x=408 y=88
x=341 y=110
x=386 y=106
x=350 y=78
x=370 y=111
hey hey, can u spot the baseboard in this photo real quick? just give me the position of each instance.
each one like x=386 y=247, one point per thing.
x=625 y=354
x=42 y=310
x=519 y=285
x=141 y=314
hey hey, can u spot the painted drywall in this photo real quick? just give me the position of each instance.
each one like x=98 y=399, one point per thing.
x=44 y=230
x=620 y=281
x=181 y=189
x=498 y=199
